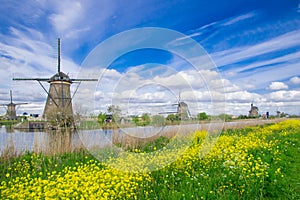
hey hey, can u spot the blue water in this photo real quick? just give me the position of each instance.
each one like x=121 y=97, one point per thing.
x=21 y=141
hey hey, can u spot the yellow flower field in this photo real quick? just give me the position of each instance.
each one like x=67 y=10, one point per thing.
x=243 y=163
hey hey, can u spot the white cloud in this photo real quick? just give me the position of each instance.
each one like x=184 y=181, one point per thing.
x=284 y=41
x=253 y=72
x=284 y=96
x=243 y=96
x=68 y=14
x=277 y=86
x=249 y=86
x=295 y=80
x=226 y=22
x=260 y=79
x=258 y=73
x=80 y=19
x=136 y=94
x=239 y=18
x=286 y=58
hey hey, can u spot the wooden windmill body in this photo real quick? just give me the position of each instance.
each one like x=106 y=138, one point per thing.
x=58 y=105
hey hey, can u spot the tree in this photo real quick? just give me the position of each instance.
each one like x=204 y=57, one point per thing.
x=62 y=119
x=145 y=119
x=141 y=121
x=101 y=118
x=224 y=116
x=172 y=117
x=136 y=120
x=202 y=116
x=158 y=120
x=115 y=111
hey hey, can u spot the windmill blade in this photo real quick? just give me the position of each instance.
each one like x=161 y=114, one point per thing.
x=74 y=93
x=58 y=57
x=189 y=113
x=10 y=96
x=21 y=103
x=167 y=112
x=30 y=79
x=80 y=79
x=50 y=96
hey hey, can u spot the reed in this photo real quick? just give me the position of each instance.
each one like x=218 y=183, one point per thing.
x=49 y=143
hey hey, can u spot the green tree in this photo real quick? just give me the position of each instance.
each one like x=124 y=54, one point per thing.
x=172 y=117
x=136 y=120
x=202 y=116
x=115 y=111
x=224 y=116
x=158 y=120
x=145 y=119
x=141 y=121
x=101 y=118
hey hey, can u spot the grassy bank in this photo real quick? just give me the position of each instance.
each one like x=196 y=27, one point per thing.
x=259 y=162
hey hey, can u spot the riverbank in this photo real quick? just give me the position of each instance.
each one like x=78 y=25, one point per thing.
x=16 y=142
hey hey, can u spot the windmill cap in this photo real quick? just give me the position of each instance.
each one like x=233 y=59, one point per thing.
x=183 y=104
x=60 y=76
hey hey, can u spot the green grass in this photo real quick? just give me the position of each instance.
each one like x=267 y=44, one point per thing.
x=31 y=163
x=88 y=125
x=291 y=161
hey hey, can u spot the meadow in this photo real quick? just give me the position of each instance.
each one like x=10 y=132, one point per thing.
x=257 y=162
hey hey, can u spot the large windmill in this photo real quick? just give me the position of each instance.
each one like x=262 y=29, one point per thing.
x=58 y=106
x=182 y=110
x=11 y=108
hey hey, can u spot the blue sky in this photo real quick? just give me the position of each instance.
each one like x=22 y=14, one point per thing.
x=254 y=45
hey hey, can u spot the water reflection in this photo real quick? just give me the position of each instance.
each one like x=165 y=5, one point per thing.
x=66 y=140
x=47 y=142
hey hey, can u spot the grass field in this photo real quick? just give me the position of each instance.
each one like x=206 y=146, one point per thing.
x=261 y=162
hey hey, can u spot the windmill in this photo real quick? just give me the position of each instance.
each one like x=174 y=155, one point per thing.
x=11 y=108
x=58 y=106
x=253 y=112
x=182 y=110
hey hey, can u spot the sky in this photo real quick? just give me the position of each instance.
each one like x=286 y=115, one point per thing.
x=217 y=56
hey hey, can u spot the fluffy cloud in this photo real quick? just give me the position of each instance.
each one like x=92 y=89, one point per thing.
x=295 y=80
x=136 y=93
x=277 y=86
x=284 y=96
x=66 y=19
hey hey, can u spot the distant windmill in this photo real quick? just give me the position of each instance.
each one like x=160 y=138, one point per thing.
x=182 y=110
x=253 y=112
x=11 y=108
x=59 y=100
